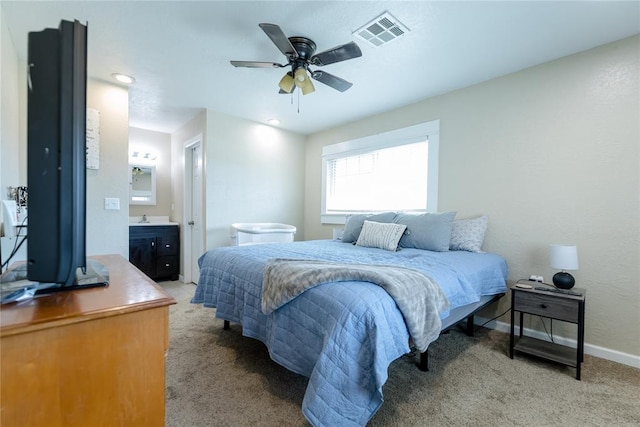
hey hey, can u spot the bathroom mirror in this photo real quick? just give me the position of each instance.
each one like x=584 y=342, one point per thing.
x=142 y=184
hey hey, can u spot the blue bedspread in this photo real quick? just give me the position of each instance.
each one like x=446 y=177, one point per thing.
x=342 y=335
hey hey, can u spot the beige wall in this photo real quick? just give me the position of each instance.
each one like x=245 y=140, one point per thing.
x=12 y=105
x=160 y=144
x=551 y=155
x=108 y=230
x=254 y=173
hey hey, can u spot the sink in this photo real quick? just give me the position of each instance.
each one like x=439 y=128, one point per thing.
x=151 y=221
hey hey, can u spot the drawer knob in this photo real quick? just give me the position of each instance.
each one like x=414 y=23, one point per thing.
x=543 y=305
x=167 y=265
x=167 y=246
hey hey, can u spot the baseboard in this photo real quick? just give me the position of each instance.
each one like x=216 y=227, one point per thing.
x=590 y=349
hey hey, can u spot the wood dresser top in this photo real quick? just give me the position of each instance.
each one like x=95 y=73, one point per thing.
x=129 y=290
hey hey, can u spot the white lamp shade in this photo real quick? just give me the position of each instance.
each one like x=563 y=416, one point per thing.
x=564 y=257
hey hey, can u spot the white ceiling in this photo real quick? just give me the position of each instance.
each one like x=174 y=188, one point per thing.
x=179 y=52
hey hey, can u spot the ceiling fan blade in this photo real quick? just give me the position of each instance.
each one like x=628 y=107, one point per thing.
x=337 y=54
x=279 y=39
x=330 y=80
x=256 y=64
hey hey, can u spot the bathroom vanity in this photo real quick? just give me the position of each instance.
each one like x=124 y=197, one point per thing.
x=154 y=248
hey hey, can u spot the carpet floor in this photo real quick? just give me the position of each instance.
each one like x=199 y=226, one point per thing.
x=220 y=378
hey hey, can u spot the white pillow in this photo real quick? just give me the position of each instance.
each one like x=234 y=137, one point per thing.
x=380 y=235
x=468 y=234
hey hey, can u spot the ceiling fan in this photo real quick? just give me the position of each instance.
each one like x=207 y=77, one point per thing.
x=300 y=53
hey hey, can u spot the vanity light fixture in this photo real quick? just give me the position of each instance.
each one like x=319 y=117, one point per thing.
x=137 y=156
x=123 y=78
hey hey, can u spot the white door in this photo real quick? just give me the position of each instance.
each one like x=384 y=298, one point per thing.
x=195 y=223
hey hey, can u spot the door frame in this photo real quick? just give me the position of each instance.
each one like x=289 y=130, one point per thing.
x=188 y=203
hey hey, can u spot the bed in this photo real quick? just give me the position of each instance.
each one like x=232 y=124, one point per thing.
x=342 y=335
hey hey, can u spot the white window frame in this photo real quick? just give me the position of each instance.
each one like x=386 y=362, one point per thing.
x=408 y=135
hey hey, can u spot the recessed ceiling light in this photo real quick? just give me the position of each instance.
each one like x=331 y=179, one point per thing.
x=123 y=78
x=274 y=122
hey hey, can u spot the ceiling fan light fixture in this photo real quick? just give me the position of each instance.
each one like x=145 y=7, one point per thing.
x=301 y=77
x=303 y=81
x=286 y=83
x=308 y=88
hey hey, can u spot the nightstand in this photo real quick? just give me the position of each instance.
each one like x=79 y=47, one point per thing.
x=552 y=305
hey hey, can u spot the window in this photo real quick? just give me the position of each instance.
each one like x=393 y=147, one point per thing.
x=392 y=171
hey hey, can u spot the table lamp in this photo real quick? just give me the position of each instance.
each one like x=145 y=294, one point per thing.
x=564 y=257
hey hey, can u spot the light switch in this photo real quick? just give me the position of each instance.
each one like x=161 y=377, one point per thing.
x=112 y=203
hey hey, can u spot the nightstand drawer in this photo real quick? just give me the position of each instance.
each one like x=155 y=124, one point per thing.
x=548 y=306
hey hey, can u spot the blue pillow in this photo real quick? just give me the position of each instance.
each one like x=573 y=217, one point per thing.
x=430 y=231
x=354 y=224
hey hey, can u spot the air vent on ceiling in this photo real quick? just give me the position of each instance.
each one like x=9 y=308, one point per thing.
x=381 y=30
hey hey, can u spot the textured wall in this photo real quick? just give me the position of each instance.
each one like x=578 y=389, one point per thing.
x=254 y=173
x=108 y=230
x=551 y=155
x=13 y=96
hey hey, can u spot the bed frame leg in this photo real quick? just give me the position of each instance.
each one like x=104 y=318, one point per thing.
x=470 y=326
x=226 y=325
x=424 y=361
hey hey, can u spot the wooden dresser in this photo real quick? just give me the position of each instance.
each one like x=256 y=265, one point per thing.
x=90 y=357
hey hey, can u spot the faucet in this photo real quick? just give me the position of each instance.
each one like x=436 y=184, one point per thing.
x=144 y=219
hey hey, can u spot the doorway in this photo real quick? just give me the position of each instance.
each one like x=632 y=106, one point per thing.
x=194 y=226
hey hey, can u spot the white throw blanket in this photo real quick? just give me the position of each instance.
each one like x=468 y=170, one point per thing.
x=417 y=296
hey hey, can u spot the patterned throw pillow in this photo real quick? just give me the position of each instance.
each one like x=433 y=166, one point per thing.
x=468 y=234
x=380 y=235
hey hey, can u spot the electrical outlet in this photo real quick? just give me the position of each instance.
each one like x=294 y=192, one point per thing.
x=112 y=203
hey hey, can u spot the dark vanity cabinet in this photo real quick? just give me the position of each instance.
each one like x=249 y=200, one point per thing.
x=155 y=250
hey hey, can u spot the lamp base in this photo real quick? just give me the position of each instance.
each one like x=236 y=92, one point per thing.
x=563 y=280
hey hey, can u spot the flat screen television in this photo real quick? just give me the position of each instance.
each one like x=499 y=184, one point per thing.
x=56 y=159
